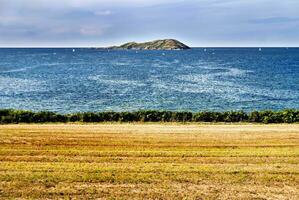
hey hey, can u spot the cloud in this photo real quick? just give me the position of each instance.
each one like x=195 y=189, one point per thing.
x=109 y=22
x=103 y=13
x=91 y=31
x=84 y=4
x=273 y=20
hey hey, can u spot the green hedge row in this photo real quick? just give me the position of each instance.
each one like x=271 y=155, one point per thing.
x=18 y=116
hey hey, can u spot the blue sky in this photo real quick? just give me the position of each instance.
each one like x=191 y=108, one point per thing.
x=108 y=22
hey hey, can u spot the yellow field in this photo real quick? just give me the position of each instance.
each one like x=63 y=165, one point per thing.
x=149 y=161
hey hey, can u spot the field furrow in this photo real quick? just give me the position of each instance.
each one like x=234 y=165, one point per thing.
x=149 y=161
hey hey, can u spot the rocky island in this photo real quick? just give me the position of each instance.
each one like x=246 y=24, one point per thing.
x=167 y=44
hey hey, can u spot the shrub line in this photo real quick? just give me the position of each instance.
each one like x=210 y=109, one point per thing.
x=10 y=116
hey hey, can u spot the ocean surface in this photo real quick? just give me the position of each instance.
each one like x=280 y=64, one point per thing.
x=215 y=79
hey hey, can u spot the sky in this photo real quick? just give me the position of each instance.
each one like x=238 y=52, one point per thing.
x=197 y=23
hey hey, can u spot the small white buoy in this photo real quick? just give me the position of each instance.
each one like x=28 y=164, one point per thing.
x=74 y=50
x=205 y=50
x=260 y=49
x=163 y=54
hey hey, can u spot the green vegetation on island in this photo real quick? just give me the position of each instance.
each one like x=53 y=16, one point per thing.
x=167 y=44
x=8 y=116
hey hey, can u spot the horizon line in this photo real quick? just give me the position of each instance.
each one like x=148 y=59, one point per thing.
x=101 y=47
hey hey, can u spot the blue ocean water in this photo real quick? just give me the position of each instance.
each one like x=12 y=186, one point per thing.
x=215 y=79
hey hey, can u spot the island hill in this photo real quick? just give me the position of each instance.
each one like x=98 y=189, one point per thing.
x=167 y=44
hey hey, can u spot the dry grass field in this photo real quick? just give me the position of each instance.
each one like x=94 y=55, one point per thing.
x=149 y=161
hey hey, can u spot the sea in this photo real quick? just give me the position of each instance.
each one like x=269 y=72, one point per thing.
x=68 y=80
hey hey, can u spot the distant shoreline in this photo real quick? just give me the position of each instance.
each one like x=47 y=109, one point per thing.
x=192 y=47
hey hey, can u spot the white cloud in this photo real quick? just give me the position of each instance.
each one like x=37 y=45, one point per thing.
x=103 y=13
x=111 y=21
x=91 y=31
x=84 y=3
x=80 y=3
